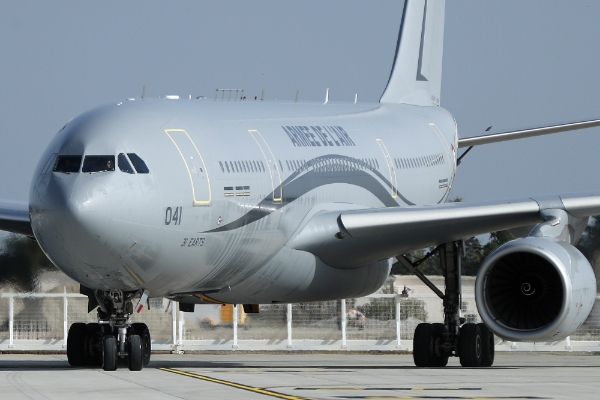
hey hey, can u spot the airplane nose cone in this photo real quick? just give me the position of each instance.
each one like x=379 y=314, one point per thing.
x=70 y=217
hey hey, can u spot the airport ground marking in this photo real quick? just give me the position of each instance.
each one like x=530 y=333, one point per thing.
x=383 y=388
x=444 y=397
x=266 y=392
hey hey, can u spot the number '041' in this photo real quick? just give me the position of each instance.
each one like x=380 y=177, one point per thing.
x=173 y=215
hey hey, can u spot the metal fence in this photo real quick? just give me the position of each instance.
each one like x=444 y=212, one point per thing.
x=385 y=322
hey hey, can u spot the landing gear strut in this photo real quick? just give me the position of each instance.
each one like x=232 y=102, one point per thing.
x=114 y=339
x=473 y=344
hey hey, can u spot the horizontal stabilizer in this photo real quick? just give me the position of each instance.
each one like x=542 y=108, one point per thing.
x=525 y=133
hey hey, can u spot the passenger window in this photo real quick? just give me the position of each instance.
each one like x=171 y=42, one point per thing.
x=98 y=164
x=138 y=163
x=67 y=164
x=124 y=164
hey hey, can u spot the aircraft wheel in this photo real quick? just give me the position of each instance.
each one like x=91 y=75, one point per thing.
x=135 y=353
x=470 y=346
x=426 y=343
x=437 y=336
x=76 y=340
x=93 y=345
x=487 y=349
x=142 y=330
x=109 y=353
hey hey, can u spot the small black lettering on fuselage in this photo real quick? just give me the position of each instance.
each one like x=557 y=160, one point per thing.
x=193 y=242
x=316 y=136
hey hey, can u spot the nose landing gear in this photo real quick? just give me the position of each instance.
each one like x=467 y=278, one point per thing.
x=114 y=339
x=434 y=343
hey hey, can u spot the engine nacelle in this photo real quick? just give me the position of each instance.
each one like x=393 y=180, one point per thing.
x=535 y=289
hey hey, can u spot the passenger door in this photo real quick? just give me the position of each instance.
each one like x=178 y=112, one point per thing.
x=195 y=166
x=273 y=168
x=390 y=164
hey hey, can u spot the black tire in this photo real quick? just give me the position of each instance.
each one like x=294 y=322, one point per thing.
x=470 y=345
x=142 y=330
x=422 y=345
x=135 y=353
x=437 y=337
x=426 y=345
x=487 y=346
x=109 y=353
x=76 y=340
x=93 y=345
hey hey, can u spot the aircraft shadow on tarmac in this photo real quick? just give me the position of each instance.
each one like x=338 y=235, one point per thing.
x=33 y=365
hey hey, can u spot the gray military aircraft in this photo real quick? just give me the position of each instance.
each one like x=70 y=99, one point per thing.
x=250 y=202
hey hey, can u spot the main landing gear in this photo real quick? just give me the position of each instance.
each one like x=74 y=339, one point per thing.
x=114 y=340
x=473 y=344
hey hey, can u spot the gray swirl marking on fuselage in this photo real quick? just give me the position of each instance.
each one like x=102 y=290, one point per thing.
x=320 y=171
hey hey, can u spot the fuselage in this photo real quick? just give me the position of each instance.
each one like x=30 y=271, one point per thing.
x=228 y=185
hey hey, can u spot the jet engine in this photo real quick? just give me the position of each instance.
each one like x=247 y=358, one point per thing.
x=535 y=289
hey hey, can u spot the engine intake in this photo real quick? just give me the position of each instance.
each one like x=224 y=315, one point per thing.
x=534 y=289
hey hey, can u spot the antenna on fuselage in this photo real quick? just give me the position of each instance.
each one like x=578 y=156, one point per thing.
x=326 y=96
x=297 y=92
x=355 y=98
x=143 y=92
x=262 y=96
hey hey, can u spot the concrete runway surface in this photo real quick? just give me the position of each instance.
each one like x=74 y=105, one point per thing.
x=302 y=376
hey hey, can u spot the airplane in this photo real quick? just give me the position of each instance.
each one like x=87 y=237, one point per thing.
x=253 y=202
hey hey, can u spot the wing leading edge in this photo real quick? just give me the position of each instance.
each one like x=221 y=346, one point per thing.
x=349 y=239
x=14 y=217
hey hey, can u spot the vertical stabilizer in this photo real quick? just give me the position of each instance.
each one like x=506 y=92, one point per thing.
x=416 y=76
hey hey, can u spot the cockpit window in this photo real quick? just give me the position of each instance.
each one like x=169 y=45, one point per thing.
x=98 y=164
x=124 y=164
x=50 y=163
x=138 y=163
x=67 y=164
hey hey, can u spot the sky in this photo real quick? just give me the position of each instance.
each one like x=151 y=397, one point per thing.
x=507 y=64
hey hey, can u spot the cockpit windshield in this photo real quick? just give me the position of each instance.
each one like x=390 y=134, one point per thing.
x=67 y=164
x=98 y=164
x=124 y=164
x=138 y=163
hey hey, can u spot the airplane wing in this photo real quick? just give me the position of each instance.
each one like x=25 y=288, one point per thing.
x=14 y=217
x=349 y=239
